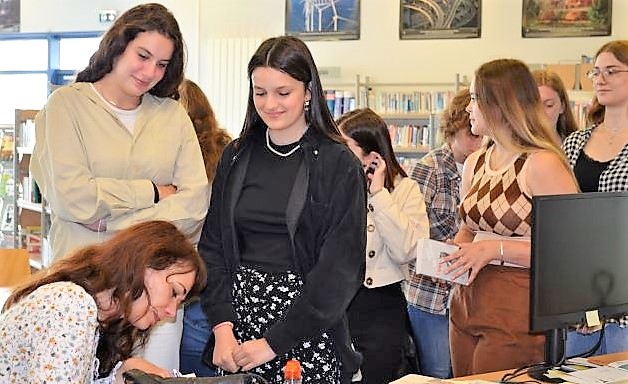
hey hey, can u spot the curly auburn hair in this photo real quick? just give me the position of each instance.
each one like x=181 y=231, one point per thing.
x=455 y=117
x=119 y=264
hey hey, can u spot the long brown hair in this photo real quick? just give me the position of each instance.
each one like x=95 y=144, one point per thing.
x=619 y=49
x=566 y=123
x=508 y=96
x=211 y=137
x=119 y=264
x=371 y=134
x=141 y=18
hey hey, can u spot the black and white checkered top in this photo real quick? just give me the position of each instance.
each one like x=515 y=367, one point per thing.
x=613 y=179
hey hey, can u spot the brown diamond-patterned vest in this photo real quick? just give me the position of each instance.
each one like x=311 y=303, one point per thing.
x=496 y=202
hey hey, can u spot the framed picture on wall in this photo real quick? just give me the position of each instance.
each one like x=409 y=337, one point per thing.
x=438 y=19
x=323 y=19
x=566 y=18
x=9 y=16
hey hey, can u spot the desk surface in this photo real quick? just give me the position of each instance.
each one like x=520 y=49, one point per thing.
x=496 y=376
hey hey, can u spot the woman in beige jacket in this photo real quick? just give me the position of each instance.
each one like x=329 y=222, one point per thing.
x=396 y=219
x=116 y=148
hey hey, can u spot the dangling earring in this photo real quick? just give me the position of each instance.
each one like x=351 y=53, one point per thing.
x=306 y=106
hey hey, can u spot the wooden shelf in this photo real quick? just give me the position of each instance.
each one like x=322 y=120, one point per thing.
x=27 y=214
x=24 y=150
x=35 y=207
x=411 y=150
x=405 y=116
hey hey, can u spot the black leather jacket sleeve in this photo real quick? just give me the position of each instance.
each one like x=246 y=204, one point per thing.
x=216 y=299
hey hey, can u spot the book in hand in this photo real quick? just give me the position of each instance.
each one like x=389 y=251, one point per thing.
x=428 y=260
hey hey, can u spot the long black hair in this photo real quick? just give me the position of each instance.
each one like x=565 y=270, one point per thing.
x=290 y=55
x=371 y=134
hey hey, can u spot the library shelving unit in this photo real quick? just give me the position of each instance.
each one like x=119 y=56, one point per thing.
x=31 y=217
x=412 y=112
x=579 y=88
x=6 y=187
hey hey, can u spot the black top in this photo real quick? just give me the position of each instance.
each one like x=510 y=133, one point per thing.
x=261 y=227
x=325 y=217
x=588 y=171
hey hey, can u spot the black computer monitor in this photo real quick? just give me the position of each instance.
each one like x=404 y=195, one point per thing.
x=579 y=263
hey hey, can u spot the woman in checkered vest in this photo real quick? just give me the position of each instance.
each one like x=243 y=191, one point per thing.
x=489 y=317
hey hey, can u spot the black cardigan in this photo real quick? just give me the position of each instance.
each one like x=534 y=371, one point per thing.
x=326 y=218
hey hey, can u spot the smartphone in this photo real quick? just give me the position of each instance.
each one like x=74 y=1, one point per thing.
x=371 y=168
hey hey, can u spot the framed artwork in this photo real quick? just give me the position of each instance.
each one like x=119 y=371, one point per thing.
x=9 y=15
x=439 y=19
x=323 y=19
x=566 y=18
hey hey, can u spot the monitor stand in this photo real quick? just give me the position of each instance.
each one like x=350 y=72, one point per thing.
x=554 y=356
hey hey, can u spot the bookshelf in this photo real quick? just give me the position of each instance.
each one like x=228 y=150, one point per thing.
x=411 y=110
x=579 y=87
x=6 y=186
x=32 y=218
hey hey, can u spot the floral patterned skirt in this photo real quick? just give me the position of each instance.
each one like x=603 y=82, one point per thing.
x=260 y=299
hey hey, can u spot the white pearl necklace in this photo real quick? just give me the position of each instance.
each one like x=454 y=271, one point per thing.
x=276 y=152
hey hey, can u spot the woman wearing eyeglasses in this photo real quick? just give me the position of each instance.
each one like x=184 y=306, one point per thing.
x=599 y=158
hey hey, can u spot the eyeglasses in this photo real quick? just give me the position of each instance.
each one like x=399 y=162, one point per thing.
x=594 y=73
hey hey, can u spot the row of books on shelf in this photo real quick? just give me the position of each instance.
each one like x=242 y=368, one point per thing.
x=409 y=135
x=340 y=102
x=26 y=137
x=410 y=102
x=29 y=190
x=31 y=238
x=6 y=146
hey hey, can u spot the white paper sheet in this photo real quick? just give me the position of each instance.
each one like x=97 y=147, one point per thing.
x=428 y=258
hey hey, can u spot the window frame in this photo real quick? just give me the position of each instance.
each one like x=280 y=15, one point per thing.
x=54 y=73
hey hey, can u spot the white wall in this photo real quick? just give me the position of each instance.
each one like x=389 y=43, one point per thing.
x=82 y=15
x=378 y=53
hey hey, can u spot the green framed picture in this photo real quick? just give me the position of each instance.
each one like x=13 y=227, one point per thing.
x=566 y=18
